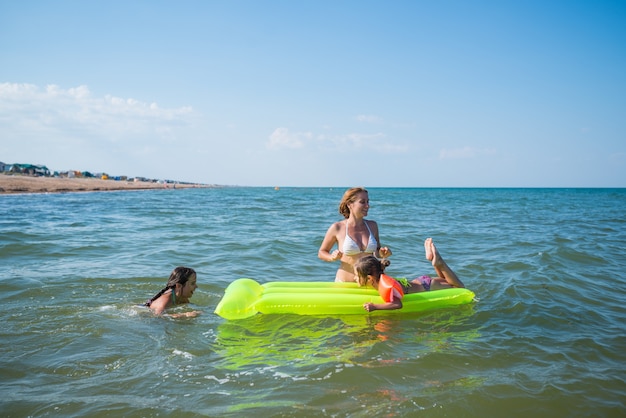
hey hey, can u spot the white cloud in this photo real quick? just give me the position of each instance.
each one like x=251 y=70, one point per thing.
x=368 y=118
x=360 y=140
x=54 y=109
x=282 y=138
x=70 y=128
x=618 y=157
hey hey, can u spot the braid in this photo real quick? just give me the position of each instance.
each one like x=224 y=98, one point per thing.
x=158 y=295
x=179 y=275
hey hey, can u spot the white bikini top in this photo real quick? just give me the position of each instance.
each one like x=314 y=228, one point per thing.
x=350 y=247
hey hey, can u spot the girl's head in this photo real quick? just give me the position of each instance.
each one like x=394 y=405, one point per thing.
x=183 y=282
x=349 y=197
x=180 y=275
x=369 y=268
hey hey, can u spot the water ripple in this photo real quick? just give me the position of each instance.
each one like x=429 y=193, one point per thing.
x=546 y=336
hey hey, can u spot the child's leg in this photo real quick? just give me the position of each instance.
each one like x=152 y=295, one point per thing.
x=445 y=276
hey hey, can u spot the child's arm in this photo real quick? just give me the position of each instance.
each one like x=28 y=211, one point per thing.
x=395 y=304
x=191 y=314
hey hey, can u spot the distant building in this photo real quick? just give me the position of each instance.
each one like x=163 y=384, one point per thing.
x=29 y=169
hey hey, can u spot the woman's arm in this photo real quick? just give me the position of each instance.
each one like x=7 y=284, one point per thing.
x=330 y=239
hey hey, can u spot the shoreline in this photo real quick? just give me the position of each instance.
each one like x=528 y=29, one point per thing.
x=15 y=184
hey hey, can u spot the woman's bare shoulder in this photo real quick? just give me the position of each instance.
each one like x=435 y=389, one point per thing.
x=371 y=223
x=337 y=226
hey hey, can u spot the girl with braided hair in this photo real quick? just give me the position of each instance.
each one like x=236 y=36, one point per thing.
x=371 y=271
x=179 y=289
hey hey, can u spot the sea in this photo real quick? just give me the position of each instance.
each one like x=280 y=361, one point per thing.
x=545 y=336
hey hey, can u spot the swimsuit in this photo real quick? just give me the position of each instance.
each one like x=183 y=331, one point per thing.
x=425 y=281
x=350 y=247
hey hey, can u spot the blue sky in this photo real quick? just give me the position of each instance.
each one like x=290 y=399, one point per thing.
x=319 y=93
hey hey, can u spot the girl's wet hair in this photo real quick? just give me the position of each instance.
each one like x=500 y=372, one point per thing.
x=348 y=197
x=180 y=275
x=370 y=266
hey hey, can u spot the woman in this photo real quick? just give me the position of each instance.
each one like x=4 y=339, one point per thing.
x=355 y=236
x=179 y=289
x=371 y=271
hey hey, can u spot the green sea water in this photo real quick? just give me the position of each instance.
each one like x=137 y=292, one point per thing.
x=546 y=337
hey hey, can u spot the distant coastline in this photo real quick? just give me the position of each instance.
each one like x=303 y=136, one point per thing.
x=20 y=183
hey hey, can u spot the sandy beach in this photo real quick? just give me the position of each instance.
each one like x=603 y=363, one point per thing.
x=10 y=184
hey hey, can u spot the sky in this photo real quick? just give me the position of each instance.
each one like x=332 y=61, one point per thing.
x=319 y=93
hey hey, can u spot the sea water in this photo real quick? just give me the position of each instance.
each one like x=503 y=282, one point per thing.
x=546 y=336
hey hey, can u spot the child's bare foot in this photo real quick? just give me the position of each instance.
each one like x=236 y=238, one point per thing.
x=427 y=247
x=436 y=257
x=432 y=254
x=444 y=273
